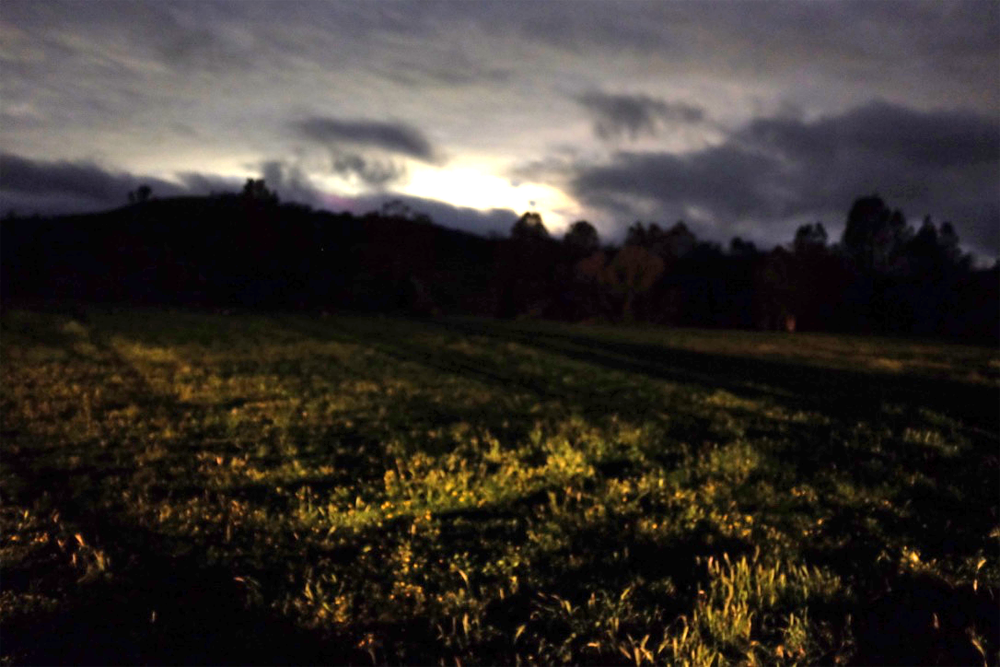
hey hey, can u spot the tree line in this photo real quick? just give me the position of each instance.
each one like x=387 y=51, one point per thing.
x=883 y=276
x=251 y=250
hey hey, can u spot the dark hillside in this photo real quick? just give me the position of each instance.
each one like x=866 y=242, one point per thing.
x=250 y=251
x=233 y=251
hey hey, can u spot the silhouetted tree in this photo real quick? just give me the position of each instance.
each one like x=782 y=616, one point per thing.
x=247 y=249
x=679 y=240
x=525 y=267
x=580 y=293
x=703 y=280
x=776 y=292
x=809 y=238
x=581 y=239
x=874 y=242
x=874 y=234
x=740 y=248
x=140 y=195
x=529 y=227
x=818 y=278
x=632 y=272
x=936 y=269
x=395 y=208
x=948 y=241
x=924 y=253
x=672 y=243
x=590 y=267
x=639 y=235
x=256 y=190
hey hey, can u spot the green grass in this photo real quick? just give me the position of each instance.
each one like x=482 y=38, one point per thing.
x=181 y=487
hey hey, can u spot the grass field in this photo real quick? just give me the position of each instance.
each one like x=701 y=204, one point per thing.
x=196 y=488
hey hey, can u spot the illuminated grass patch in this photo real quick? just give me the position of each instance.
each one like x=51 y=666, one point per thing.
x=189 y=487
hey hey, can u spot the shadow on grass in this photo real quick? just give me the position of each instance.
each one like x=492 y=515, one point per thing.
x=833 y=391
x=598 y=398
x=922 y=620
x=154 y=605
x=163 y=611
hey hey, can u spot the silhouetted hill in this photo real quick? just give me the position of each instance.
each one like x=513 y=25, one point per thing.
x=232 y=250
x=250 y=251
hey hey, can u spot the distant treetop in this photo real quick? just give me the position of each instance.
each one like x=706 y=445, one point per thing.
x=529 y=227
x=582 y=238
x=256 y=190
x=141 y=194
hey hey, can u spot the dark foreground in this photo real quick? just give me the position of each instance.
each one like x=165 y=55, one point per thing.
x=196 y=488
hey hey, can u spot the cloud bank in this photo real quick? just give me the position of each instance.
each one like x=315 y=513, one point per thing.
x=31 y=186
x=775 y=170
x=739 y=117
x=51 y=188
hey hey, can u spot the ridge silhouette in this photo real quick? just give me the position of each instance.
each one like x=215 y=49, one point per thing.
x=250 y=250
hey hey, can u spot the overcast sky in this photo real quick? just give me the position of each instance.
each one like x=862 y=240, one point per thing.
x=741 y=118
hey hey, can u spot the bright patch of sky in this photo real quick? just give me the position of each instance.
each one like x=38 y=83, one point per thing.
x=597 y=110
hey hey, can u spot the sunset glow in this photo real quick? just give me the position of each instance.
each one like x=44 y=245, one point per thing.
x=747 y=117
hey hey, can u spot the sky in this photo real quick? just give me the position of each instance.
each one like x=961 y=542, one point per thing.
x=742 y=118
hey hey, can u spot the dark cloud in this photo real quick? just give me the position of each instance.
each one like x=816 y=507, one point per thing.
x=712 y=190
x=393 y=137
x=38 y=186
x=942 y=163
x=727 y=180
x=368 y=171
x=51 y=187
x=935 y=139
x=633 y=115
x=774 y=171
